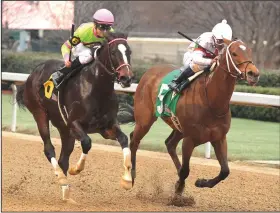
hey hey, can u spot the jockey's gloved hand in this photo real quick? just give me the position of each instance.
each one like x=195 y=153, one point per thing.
x=67 y=63
x=215 y=60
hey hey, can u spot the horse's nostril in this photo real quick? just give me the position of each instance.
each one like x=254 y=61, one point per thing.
x=122 y=78
x=250 y=73
x=253 y=74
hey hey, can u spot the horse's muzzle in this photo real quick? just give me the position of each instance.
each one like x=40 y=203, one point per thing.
x=252 y=78
x=125 y=81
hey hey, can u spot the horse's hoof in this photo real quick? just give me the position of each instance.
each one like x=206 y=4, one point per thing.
x=62 y=181
x=73 y=171
x=179 y=188
x=126 y=184
x=66 y=195
x=201 y=183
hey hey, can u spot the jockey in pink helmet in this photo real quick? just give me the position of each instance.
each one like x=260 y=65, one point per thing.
x=86 y=34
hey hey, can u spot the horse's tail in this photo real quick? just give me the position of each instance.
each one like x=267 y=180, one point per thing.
x=126 y=114
x=20 y=89
x=19 y=96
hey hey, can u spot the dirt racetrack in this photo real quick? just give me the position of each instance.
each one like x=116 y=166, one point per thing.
x=29 y=183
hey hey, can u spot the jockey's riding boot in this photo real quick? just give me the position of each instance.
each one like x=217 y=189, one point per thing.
x=186 y=73
x=59 y=75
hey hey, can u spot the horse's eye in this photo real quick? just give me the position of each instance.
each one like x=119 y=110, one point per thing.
x=234 y=54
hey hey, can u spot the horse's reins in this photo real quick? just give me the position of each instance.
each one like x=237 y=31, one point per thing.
x=234 y=75
x=114 y=71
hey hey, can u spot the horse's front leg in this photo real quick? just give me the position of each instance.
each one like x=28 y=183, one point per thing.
x=220 y=148
x=86 y=146
x=115 y=133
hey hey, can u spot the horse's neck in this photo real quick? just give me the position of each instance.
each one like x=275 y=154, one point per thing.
x=220 y=88
x=102 y=80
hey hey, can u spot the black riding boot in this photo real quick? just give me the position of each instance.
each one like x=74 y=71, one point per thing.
x=175 y=83
x=59 y=75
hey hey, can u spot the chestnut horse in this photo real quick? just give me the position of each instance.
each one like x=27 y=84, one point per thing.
x=202 y=110
x=90 y=106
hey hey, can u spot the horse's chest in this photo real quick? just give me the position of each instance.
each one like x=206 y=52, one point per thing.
x=203 y=133
x=217 y=133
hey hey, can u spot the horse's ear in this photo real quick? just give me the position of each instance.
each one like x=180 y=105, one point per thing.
x=125 y=35
x=104 y=42
x=226 y=41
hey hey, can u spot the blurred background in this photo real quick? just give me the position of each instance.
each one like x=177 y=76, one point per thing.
x=33 y=31
x=43 y=26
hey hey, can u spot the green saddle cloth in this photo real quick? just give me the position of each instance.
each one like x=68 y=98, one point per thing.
x=167 y=99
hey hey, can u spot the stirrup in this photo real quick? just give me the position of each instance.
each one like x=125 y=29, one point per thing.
x=58 y=85
x=57 y=81
x=174 y=87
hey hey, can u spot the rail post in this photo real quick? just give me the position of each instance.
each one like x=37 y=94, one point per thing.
x=208 y=150
x=14 y=116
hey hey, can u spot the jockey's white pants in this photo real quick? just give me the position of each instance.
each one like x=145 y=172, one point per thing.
x=83 y=52
x=187 y=61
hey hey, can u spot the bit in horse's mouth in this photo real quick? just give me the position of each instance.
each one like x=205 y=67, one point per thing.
x=122 y=85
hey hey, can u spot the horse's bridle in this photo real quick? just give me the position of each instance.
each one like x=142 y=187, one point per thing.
x=114 y=72
x=238 y=74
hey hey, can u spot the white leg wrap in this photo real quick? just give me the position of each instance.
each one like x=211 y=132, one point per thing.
x=83 y=157
x=127 y=164
x=54 y=163
x=126 y=152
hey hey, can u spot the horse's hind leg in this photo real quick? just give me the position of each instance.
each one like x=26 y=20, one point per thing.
x=86 y=146
x=220 y=148
x=171 y=143
x=42 y=121
x=67 y=148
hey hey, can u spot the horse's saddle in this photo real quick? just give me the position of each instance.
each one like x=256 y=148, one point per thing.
x=48 y=90
x=167 y=99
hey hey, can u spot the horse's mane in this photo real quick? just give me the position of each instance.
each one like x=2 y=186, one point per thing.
x=112 y=35
x=109 y=36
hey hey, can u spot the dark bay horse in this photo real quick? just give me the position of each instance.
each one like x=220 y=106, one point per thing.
x=90 y=106
x=202 y=110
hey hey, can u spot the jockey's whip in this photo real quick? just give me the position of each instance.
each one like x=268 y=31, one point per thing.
x=187 y=37
x=72 y=34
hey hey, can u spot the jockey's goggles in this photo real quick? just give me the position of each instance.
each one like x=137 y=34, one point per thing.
x=103 y=27
x=219 y=41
